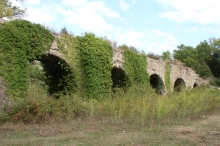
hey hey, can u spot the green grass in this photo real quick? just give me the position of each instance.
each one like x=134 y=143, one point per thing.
x=99 y=133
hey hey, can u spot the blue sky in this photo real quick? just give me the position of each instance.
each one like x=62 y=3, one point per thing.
x=150 y=25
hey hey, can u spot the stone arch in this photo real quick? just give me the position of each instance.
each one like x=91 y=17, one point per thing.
x=157 y=84
x=118 y=76
x=179 y=85
x=195 y=85
x=60 y=78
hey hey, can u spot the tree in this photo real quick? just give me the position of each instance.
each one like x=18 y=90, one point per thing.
x=166 y=56
x=124 y=47
x=64 y=31
x=153 y=55
x=215 y=43
x=214 y=63
x=204 y=51
x=196 y=58
x=9 y=11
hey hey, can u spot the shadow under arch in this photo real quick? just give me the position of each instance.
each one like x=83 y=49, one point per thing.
x=59 y=76
x=195 y=85
x=179 y=85
x=119 y=79
x=157 y=84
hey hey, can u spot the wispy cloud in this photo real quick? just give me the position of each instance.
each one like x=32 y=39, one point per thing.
x=129 y=37
x=126 y=5
x=204 y=12
x=159 y=41
x=90 y=16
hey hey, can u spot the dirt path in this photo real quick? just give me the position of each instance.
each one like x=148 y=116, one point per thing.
x=200 y=132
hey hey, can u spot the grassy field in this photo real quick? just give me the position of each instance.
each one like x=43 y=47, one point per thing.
x=198 y=132
x=134 y=118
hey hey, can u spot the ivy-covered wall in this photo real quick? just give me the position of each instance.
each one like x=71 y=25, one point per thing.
x=85 y=70
x=20 y=43
x=135 y=66
x=167 y=77
x=96 y=63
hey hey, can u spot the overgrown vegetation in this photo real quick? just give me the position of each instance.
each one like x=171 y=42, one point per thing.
x=167 y=77
x=86 y=72
x=20 y=43
x=135 y=65
x=204 y=59
x=96 y=64
x=142 y=109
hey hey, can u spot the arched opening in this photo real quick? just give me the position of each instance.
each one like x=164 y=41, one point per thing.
x=157 y=84
x=58 y=75
x=179 y=85
x=119 y=79
x=195 y=85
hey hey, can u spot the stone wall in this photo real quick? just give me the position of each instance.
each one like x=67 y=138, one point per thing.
x=156 y=67
x=188 y=75
x=3 y=98
x=184 y=73
x=118 y=58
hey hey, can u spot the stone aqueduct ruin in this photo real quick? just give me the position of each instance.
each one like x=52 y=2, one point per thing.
x=179 y=74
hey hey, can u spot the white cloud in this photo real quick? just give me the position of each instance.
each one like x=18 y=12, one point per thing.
x=32 y=2
x=125 y=5
x=201 y=11
x=40 y=15
x=159 y=42
x=129 y=37
x=154 y=41
x=90 y=16
x=15 y=3
x=74 y=3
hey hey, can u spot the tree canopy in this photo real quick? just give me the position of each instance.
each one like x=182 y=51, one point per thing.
x=204 y=58
x=9 y=11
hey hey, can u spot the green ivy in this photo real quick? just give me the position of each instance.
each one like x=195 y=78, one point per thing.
x=167 y=77
x=67 y=44
x=135 y=66
x=20 y=42
x=95 y=60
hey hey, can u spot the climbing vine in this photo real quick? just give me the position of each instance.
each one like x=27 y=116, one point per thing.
x=135 y=66
x=67 y=44
x=20 y=42
x=95 y=60
x=167 y=77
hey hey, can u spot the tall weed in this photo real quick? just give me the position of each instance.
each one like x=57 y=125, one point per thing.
x=133 y=106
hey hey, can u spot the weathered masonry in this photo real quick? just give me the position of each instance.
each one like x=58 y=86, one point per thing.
x=179 y=75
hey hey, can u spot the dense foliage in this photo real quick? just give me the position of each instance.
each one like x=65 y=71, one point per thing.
x=135 y=65
x=204 y=59
x=20 y=42
x=95 y=60
x=67 y=44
